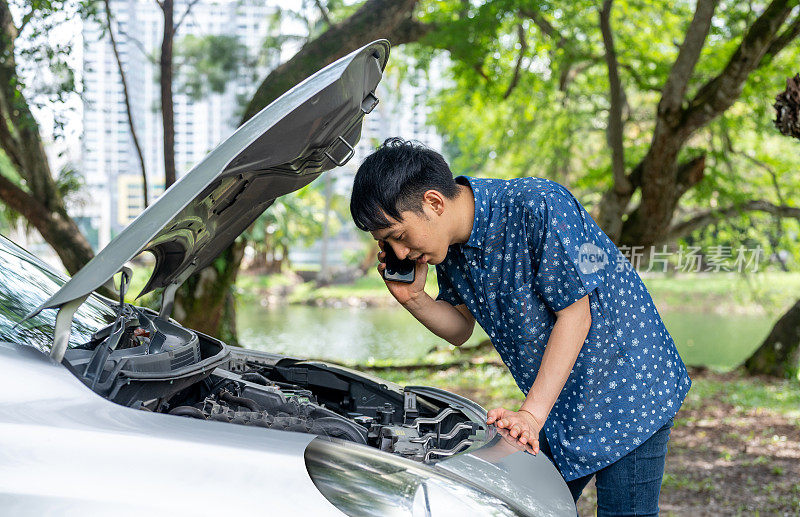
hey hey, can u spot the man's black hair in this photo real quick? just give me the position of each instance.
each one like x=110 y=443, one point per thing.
x=393 y=179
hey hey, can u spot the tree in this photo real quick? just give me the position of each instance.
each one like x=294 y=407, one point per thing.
x=34 y=194
x=165 y=81
x=294 y=219
x=653 y=106
x=376 y=19
x=562 y=60
x=566 y=87
x=779 y=354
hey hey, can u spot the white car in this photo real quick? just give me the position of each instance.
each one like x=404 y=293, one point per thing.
x=111 y=409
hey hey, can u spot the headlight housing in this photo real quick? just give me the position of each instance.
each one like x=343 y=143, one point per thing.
x=361 y=481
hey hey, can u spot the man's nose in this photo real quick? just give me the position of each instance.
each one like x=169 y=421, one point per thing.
x=400 y=250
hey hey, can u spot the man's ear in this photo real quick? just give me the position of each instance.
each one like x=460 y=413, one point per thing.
x=434 y=200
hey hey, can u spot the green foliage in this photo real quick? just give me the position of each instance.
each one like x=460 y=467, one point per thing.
x=292 y=220
x=8 y=217
x=69 y=181
x=207 y=64
x=550 y=118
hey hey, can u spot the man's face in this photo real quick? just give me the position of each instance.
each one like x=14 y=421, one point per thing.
x=421 y=237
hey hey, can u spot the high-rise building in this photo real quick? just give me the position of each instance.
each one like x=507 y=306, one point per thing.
x=110 y=165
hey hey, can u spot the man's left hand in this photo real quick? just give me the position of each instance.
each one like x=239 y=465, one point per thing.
x=521 y=425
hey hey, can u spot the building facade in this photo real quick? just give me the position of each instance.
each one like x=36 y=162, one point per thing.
x=109 y=162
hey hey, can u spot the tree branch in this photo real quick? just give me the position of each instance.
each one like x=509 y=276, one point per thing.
x=323 y=12
x=545 y=26
x=126 y=98
x=718 y=94
x=706 y=217
x=569 y=68
x=373 y=20
x=783 y=39
x=478 y=67
x=689 y=174
x=615 y=126
x=523 y=47
x=138 y=44
x=183 y=16
x=411 y=30
x=20 y=201
x=641 y=83
x=675 y=87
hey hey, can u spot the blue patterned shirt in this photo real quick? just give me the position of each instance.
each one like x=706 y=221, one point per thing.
x=534 y=250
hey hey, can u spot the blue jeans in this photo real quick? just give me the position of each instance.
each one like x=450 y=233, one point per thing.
x=631 y=485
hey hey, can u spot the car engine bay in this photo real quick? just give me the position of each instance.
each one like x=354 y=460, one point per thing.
x=150 y=363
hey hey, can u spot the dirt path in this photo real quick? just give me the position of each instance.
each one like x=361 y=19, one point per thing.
x=726 y=460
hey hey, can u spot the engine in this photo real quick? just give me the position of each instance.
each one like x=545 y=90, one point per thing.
x=153 y=364
x=322 y=399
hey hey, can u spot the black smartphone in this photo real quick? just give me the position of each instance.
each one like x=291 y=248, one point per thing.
x=398 y=270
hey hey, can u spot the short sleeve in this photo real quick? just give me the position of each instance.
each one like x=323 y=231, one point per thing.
x=567 y=260
x=447 y=292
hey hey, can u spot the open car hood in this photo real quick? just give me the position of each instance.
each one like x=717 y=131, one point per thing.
x=309 y=129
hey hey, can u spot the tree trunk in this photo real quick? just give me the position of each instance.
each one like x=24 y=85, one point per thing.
x=167 y=108
x=661 y=180
x=39 y=202
x=779 y=354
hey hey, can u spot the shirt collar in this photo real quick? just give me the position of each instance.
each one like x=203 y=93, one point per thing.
x=481 y=191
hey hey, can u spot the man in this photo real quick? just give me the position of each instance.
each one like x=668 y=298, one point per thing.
x=569 y=316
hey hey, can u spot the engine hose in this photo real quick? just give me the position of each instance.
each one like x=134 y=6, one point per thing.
x=187 y=411
x=256 y=378
x=229 y=397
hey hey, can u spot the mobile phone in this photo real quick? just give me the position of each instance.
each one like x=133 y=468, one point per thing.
x=398 y=270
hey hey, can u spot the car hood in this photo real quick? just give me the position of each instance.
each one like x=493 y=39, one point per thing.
x=309 y=129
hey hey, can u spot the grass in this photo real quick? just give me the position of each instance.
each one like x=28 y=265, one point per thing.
x=252 y=283
x=772 y=291
x=747 y=394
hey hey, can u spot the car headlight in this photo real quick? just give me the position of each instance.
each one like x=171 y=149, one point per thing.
x=361 y=481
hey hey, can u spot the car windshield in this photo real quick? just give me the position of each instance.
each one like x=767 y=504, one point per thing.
x=26 y=282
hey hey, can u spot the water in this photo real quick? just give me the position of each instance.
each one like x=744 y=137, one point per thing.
x=347 y=334
x=359 y=335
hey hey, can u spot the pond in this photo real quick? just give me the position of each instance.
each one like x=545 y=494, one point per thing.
x=363 y=334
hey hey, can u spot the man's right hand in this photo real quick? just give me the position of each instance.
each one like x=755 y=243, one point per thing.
x=453 y=324
x=402 y=291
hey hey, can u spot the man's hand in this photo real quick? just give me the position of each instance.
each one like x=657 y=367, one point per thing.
x=520 y=424
x=402 y=291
